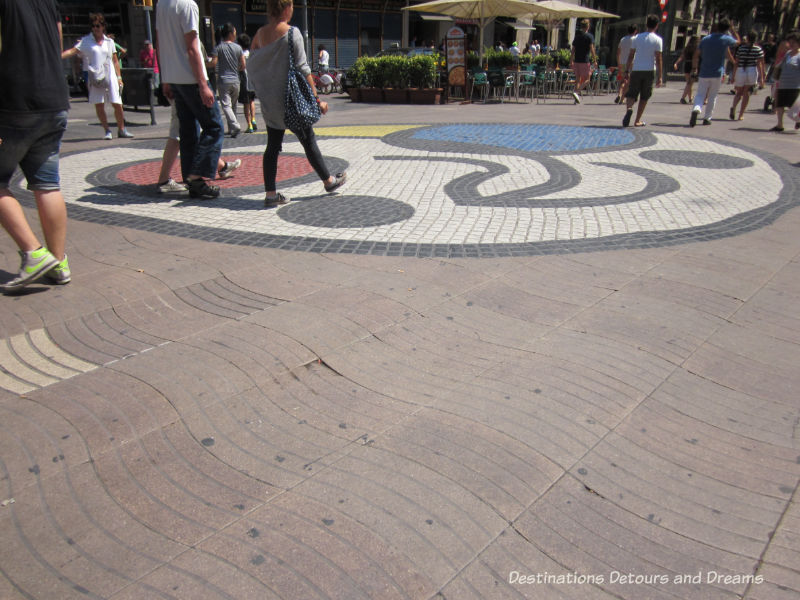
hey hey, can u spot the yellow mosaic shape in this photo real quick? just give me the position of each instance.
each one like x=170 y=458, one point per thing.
x=376 y=131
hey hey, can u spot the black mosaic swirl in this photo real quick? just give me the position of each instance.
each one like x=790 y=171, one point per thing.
x=346 y=211
x=697 y=160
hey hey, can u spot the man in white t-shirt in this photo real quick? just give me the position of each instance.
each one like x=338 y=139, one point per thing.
x=183 y=74
x=644 y=69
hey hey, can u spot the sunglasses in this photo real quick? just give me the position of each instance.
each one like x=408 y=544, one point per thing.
x=98 y=25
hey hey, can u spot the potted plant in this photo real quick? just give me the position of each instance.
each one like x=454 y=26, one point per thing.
x=394 y=74
x=422 y=77
x=356 y=77
x=373 y=81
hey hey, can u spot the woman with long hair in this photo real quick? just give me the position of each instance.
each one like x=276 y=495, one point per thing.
x=268 y=68
x=748 y=71
x=686 y=58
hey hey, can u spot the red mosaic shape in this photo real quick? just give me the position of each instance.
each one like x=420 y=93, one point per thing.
x=249 y=174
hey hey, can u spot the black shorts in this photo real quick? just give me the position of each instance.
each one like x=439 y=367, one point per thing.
x=785 y=98
x=641 y=85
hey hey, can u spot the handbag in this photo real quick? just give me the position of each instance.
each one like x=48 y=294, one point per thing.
x=301 y=110
x=98 y=78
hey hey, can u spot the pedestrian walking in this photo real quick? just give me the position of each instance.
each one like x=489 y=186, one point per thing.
x=708 y=63
x=33 y=118
x=582 y=56
x=748 y=72
x=99 y=57
x=788 y=75
x=268 y=69
x=230 y=62
x=623 y=49
x=184 y=78
x=686 y=58
x=247 y=95
x=644 y=71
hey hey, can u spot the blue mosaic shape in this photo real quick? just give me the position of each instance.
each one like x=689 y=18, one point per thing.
x=529 y=138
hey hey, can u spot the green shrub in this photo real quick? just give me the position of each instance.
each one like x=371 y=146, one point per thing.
x=356 y=74
x=421 y=71
x=393 y=71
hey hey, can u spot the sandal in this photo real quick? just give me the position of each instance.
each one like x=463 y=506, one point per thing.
x=640 y=124
x=278 y=200
x=338 y=180
x=777 y=128
x=199 y=188
x=797 y=125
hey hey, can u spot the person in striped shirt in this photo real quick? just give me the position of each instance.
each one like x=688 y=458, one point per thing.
x=748 y=71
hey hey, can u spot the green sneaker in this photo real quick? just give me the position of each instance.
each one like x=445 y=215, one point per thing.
x=60 y=274
x=34 y=264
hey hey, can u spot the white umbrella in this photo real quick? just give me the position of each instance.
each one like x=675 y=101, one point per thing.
x=484 y=11
x=557 y=10
x=564 y=10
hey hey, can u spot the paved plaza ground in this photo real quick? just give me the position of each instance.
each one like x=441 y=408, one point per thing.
x=523 y=353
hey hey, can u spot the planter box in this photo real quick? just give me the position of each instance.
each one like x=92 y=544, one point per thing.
x=425 y=95
x=371 y=94
x=355 y=94
x=395 y=95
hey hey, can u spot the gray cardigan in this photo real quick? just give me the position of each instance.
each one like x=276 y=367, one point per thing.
x=268 y=70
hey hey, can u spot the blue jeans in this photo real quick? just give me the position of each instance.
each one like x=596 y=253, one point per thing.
x=201 y=131
x=32 y=141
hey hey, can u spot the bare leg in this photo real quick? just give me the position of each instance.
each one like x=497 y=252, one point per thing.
x=687 y=89
x=736 y=98
x=780 y=111
x=168 y=159
x=248 y=116
x=53 y=217
x=120 y=116
x=640 y=111
x=13 y=220
x=745 y=102
x=100 y=109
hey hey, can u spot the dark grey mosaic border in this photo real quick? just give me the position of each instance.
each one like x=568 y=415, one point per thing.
x=741 y=223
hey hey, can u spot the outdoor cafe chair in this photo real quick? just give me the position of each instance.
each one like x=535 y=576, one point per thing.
x=480 y=81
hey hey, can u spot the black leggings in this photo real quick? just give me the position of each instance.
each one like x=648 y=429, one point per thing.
x=274 y=147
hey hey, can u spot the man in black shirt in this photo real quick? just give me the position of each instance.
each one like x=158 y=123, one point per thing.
x=33 y=117
x=582 y=57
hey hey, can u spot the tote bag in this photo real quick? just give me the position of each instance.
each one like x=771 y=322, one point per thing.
x=301 y=109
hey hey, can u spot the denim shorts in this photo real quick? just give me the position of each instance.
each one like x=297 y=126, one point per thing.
x=32 y=141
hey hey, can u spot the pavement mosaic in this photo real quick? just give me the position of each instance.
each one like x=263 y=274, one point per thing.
x=456 y=190
x=197 y=420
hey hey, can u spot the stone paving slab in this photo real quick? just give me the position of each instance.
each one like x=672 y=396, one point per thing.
x=521 y=345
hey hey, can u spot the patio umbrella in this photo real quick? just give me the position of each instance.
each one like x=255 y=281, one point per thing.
x=564 y=10
x=557 y=11
x=484 y=11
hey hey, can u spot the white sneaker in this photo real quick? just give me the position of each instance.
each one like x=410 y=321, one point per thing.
x=108 y=135
x=172 y=187
x=576 y=98
x=229 y=168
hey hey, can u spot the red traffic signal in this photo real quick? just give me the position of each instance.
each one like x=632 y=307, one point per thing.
x=664 y=17
x=662 y=4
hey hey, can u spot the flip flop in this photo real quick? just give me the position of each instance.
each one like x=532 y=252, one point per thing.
x=642 y=124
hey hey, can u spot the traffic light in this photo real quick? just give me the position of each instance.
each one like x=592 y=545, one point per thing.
x=143 y=3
